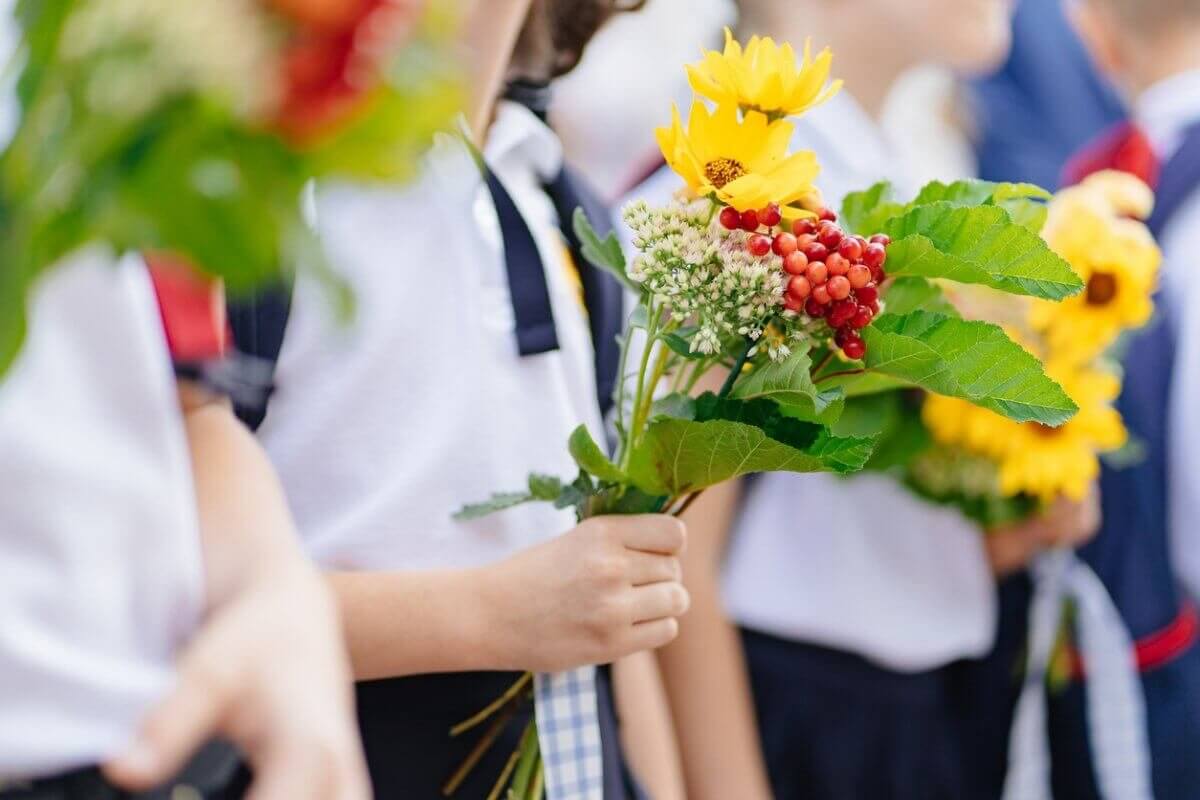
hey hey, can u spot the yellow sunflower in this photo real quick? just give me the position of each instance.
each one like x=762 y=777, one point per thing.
x=764 y=77
x=1090 y=226
x=1034 y=459
x=745 y=162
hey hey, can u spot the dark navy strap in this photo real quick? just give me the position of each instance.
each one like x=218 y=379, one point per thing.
x=526 y=275
x=258 y=321
x=602 y=293
x=1132 y=553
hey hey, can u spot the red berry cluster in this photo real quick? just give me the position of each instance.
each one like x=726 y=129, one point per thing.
x=835 y=276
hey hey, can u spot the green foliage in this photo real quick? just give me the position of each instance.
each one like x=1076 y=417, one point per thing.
x=789 y=383
x=603 y=253
x=971 y=360
x=730 y=438
x=867 y=211
x=907 y=294
x=591 y=458
x=977 y=244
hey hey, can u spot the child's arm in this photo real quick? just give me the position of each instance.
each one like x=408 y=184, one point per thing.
x=705 y=671
x=647 y=732
x=605 y=589
x=266 y=669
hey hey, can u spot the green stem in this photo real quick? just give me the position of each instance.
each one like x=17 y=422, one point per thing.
x=631 y=433
x=737 y=369
x=842 y=374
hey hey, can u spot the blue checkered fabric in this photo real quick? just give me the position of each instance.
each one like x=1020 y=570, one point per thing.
x=568 y=723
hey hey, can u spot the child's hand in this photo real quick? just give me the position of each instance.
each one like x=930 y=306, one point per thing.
x=1066 y=523
x=610 y=587
x=267 y=672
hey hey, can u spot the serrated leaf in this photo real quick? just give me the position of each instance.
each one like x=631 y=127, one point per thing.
x=907 y=294
x=590 y=458
x=866 y=212
x=500 y=501
x=731 y=438
x=604 y=253
x=545 y=487
x=977 y=244
x=789 y=383
x=1024 y=202
x=971 y=360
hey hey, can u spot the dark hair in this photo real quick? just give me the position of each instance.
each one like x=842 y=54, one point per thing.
x=560 y=30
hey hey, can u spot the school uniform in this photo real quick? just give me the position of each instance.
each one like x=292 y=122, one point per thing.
x=469 y=361
x=1144 y=554
x=850 y=616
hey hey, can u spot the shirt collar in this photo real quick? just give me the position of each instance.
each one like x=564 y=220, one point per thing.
x=517 y=139
x=1167 y=109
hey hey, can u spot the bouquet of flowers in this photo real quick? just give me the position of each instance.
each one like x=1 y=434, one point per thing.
x=191 y=128
x=747 y=272
x=998 y=470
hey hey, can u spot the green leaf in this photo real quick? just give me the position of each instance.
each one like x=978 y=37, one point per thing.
x=789 y=383
x=1024 y=202
x=500 y=501
x=680 y=342
x=731 y=438
x=676 y=404
x=866 y=212
x=604 y=253
x=907 y=294
x=591 y=458
x=978 y=244
x=545 y=487
x=971 y=360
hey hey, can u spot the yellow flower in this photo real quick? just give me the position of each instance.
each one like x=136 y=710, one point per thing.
x=1033 y=459
x=1116 y=256
x=765 y=77
x=745 y=162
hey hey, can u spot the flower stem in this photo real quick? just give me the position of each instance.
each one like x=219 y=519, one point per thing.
x=737 y=369
x=631 y=435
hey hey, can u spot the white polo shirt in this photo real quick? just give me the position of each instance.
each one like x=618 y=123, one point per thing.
x=100 y=569
x=383 y=429
x=857 y=564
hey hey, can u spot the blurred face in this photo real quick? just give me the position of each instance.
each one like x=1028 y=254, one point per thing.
x=969 y=36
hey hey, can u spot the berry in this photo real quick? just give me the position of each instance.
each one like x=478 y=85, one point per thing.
x=837 y=264
x=830 y=234
x=770 y=215
x=843 y=311
x=731 y=220
x=758 y=245
x=839 y=287
x=862 y=317
x=854 y=347
x=867 y=294
x=792 y=303
x=879 y=275
x=821 y=295
x=875 y=255
x=881 y=238
x=816 y=252
x=784 y=245
x=817 y=273
x=795 y=263
x=799 y=287
x=750 y=220
x=815 y=309
x=828 y=214
x=859 y=275
x=803 y=240
x=804 y=226
x=874 y=306
x=850 y=249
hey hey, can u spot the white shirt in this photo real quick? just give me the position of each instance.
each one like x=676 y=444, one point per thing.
x=1165 y=112
x=382 y=430
x=856 y=564
x=100 y=571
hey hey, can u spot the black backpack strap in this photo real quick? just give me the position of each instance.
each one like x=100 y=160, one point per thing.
x=258 y=321
x=602 y=293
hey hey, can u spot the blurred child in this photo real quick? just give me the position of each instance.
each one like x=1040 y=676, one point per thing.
x=852 y=596
x=469 y=362
x=1149 y=538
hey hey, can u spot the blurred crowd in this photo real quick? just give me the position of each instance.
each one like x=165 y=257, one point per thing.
x=175 y=578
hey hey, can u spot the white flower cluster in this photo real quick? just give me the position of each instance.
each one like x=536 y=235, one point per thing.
x=704 y=275
x=147 y=50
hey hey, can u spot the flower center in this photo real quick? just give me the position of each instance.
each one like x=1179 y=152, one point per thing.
x=1101 y=288
x=721 y=171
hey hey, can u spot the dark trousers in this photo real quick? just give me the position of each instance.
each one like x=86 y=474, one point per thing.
x=211 y=775
x=836 y=727
x=406 y=723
